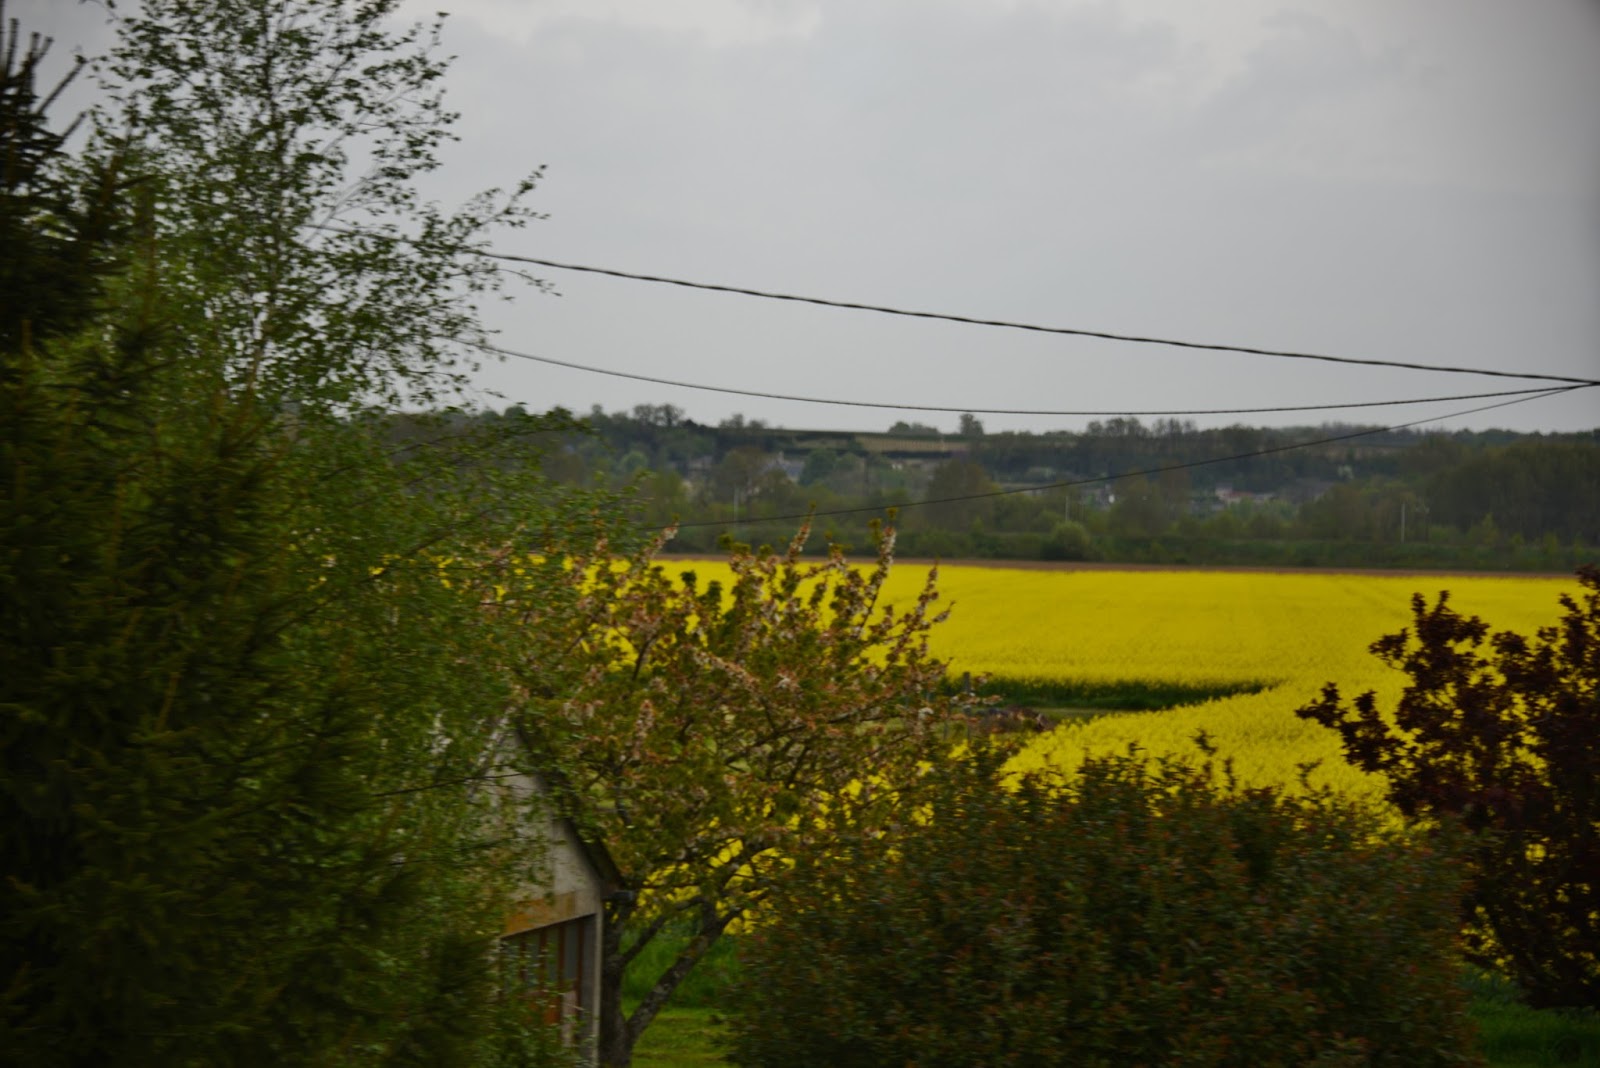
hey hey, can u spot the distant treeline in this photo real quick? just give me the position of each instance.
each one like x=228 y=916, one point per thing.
x=1404 y=498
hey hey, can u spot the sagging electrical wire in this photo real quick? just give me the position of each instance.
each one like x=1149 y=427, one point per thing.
x=1009 y=324
x=969 y=409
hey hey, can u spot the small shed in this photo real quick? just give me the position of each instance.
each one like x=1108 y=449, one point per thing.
x=552 y=939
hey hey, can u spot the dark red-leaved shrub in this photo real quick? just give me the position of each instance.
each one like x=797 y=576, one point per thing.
x=1501 y=734
x=1131 y=913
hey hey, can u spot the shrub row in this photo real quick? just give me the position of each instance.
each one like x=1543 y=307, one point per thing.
x=1065 y=543
x=1129 y=913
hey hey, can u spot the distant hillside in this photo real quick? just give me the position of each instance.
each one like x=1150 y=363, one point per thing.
x=1120 y=490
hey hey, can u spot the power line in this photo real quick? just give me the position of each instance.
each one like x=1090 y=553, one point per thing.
x=883 y=309
x=979 y=411
x=1126 y=474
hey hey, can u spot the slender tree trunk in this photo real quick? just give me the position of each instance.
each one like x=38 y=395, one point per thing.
x=619 y=1033
x=676 y=973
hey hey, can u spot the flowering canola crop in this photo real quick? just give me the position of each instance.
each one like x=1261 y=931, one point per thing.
x=1292 y=632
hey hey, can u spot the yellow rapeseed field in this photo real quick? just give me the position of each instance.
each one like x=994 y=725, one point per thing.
x=1295 y=631
x=1292 y=631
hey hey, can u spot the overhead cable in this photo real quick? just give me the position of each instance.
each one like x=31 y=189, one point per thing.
x=883 y=309
x=969 y=409
x=1125 y=474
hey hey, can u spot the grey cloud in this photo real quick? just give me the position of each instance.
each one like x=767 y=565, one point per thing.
x=1363 y=181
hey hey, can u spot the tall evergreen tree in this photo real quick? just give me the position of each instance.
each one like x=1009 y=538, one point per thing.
x=56 y=237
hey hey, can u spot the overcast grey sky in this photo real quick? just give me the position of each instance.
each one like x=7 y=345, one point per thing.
x=1413 y=180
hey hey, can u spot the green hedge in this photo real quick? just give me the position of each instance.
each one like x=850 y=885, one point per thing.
x=1172 y=549
x=1128 y=914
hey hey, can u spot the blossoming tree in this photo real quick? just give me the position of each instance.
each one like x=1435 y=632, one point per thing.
x=706 y=731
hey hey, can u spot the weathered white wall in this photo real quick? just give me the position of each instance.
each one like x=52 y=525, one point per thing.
x=566 y=886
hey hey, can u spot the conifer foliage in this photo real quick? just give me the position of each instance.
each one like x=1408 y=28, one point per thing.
x=246 y=730
x=56 y=237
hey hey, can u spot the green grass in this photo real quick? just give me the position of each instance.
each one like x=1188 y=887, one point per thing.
x=687 y=1033
x=680 y=1038
x=1127 y=696
x=684 y=1034
x=702 y=989
x=1515 y=1036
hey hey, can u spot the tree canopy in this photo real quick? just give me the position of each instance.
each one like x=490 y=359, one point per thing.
x=707 y=730
x=245 y=812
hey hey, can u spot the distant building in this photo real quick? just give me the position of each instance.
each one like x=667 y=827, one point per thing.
x=552 y=940
x=1227 y=495
x=791 y=468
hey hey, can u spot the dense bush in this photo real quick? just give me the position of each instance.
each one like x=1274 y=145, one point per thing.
x=1068 y=541
x=1503 y=740
x=1128 y=913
